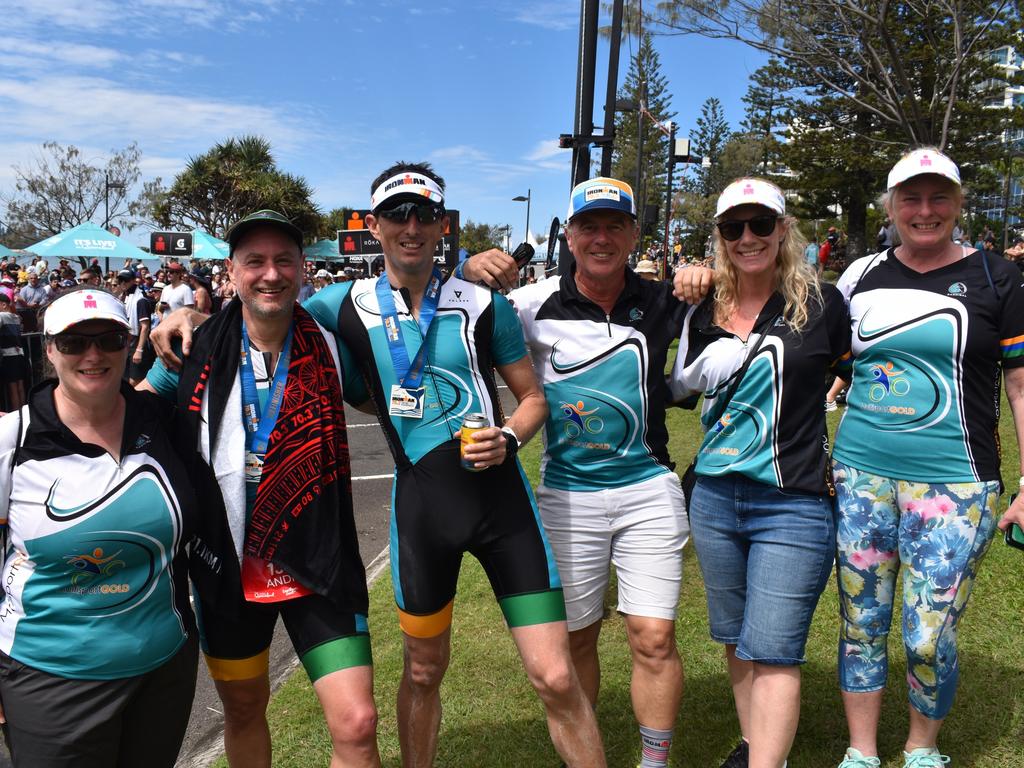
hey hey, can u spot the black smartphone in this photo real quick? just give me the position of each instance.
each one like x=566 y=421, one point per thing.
x=523 y=254
x=1015 y=534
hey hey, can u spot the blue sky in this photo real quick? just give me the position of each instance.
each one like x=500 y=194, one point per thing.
x=341 y=89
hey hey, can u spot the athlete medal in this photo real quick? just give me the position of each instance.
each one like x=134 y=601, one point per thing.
x=406 y=402
x=407 y=397
x=262 y=581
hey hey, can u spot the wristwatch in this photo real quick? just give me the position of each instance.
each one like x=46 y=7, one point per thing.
x=511 y=442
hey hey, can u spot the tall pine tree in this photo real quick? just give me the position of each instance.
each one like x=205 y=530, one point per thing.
x=646 y=86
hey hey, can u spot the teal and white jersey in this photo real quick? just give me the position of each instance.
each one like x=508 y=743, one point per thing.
x=95 y=574
x=773 y=428
x=604 y=379
x=928 y=349
x=474 y=330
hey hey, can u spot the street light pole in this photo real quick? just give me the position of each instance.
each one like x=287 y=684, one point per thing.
x=521 y=199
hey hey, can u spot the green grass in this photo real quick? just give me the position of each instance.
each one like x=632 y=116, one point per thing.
x=491 y=717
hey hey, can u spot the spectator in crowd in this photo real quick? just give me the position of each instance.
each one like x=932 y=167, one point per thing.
x=199 y=282
x=177 y=294
x=646 y=269
x=917 y=459
x=321 y=280
x=139 y=308
x=33 y=295
x=13 y=366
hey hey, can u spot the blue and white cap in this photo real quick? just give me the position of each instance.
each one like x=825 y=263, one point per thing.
x=601 y=193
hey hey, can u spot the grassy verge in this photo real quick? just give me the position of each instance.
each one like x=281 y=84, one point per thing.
x=491 y=717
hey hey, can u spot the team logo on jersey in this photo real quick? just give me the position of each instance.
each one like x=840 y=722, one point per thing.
x=636 y=314
x=89 y=567
x=957 y=289
x=577 y=421
x=887 y=381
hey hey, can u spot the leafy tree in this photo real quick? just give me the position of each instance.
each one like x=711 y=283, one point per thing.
x=478 y=237
x=647 y=87
x=865 y=79
x=767 y=104
x=335 y=219
x=232 y=179
x=702 y=184
x=61 y=189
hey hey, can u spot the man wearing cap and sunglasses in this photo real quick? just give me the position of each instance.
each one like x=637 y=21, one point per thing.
x=178 y=294
x=262 y=387
x=599 y=337
x=428 y=347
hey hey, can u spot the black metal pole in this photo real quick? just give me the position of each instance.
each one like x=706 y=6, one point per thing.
x=641 y=202
x=584 y=125
x=668 y=192
x=614 y=44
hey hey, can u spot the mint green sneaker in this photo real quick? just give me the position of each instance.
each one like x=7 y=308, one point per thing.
x=924 y=758
x=854 y=759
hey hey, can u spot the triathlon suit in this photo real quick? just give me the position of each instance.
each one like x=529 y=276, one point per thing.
x=916 y=459
x=96 y=633
x=609 y=495
x=325 y=639
x=439 y=509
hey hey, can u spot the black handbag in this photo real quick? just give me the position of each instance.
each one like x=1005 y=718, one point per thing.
x=690 y=475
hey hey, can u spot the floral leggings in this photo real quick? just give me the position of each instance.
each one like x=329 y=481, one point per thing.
x=939 y=532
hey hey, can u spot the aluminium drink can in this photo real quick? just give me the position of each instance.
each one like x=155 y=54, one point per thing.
x=471 y=424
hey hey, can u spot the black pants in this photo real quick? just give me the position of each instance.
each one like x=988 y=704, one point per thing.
x=133 y=722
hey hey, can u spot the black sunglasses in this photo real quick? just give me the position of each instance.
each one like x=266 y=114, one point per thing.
x=761 y=226
x=77 y=343
x=426 y=213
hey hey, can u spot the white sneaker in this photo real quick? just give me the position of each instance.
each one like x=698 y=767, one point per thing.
x=830 y=405
x=854 y=759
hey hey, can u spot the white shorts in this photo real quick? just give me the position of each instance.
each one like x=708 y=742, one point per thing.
x=640 y=529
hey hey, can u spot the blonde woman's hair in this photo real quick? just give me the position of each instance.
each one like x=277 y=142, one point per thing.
x=795 y=279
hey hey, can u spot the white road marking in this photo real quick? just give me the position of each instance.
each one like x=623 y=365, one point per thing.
x=388 y=476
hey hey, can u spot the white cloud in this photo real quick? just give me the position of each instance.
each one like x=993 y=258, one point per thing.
x=89 y=109
x=548 y=155
x=110 y=18
x=557 y=16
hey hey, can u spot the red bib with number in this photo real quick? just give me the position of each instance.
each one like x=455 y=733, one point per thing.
x=264 y=582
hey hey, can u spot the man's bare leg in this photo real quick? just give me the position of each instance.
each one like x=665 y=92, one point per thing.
x=572 y=723
x=419 y=697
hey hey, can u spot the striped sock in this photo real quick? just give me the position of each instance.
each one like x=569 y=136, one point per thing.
x=656 y=745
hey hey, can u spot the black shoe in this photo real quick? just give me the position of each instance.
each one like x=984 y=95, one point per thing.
x=739 y=757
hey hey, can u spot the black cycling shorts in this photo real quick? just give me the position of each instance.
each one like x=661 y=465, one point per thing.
x=325 y=638
x=441 y=511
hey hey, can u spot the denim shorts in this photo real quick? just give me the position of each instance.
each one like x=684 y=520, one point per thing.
x=766 y=555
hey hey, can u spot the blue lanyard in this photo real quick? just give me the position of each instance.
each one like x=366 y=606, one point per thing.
x=409 y=375
x=258 y=426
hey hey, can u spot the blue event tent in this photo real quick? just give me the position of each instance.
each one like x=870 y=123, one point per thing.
x=323 y=250
x=89 y=241
x=206 y=247
x=7 y=253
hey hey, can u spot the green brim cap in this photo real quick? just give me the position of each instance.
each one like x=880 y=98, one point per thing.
x=264 y=218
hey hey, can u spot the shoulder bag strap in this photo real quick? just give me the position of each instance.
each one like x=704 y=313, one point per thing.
x=722 y=402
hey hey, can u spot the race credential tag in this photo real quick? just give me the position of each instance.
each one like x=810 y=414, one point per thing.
x=406 y=402
x=264 y=582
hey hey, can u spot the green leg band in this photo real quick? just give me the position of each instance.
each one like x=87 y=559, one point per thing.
x=533 y=608
x=340 y=653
